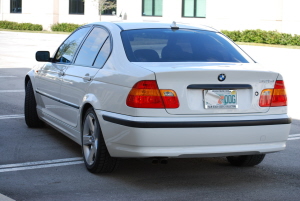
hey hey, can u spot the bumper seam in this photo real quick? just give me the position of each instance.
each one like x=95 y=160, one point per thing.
x=196 y=124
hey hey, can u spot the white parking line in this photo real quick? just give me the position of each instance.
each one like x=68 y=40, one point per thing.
x=40 y=164
x=294 y=137
x=15 y=116
x=11 y=91
x=4 y=198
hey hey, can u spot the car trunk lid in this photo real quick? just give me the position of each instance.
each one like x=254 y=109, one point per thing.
x=200 y=91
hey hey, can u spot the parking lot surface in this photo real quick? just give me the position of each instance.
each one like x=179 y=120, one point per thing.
x=43 y=164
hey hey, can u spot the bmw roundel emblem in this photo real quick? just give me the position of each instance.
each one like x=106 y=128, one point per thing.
x=221 y=77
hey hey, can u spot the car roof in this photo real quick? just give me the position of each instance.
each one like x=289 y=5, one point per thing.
x=154 y=25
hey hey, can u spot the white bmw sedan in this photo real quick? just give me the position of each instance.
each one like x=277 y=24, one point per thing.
x=152 y=90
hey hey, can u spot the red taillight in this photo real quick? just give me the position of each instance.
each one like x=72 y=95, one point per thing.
x=266 y=98
x=274 y=97
x=279 y=95
x=146 y=94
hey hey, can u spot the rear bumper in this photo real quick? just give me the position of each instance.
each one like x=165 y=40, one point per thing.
x=176 y=136
x=136 y=122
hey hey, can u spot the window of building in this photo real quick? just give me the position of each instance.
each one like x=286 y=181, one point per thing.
x=194 y=8
x=110 y=11
x=16 y=6
x=152 y=8
x=76 y=7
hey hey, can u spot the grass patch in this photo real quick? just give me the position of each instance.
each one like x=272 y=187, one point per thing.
x=20 y=26
x=45 y=32
x=65 y=27
x=264 y=37
x=269 y=45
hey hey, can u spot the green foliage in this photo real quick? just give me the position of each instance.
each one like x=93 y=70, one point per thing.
x=261 y=36
x=234 y=35
x=65 y=27
x=20 y=26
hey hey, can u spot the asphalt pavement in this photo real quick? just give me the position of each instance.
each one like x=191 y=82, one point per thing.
x=43 y=164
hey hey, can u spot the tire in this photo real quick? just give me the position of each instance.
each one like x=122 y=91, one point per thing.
x=246 y=161
x=31 y=117
x=95 y=154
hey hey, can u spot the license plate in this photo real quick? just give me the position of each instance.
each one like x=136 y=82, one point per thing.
x=220 y=99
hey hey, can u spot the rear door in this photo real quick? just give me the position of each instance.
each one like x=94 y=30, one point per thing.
x=90 y=58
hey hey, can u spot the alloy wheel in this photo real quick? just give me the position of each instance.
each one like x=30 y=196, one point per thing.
x=90 y=138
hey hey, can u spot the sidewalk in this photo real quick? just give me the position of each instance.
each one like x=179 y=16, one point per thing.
x=17 y=50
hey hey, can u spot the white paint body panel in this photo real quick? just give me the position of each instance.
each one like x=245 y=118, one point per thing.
x=73 y=89
x=123 y=141
x=49 y=82
x=178 y=76
x=108 y=89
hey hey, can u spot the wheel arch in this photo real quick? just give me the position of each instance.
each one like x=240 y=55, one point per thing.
x=85 y=107
x=89 y=100
x=27 y=79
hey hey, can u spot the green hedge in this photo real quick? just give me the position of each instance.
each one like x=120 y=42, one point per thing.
x=260 y=36
x=20 y=26
x=65 y=27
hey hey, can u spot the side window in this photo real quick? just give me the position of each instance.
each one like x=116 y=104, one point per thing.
x=67 y=50
x=91 y=47
x=103 y=54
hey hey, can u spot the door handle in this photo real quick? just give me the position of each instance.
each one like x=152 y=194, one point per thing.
x=87 y=77
x=61 y=73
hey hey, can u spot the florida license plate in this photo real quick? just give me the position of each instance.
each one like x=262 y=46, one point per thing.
x=220 y=99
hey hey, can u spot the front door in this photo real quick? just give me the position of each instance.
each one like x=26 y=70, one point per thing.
x=48 y=83
x=51 y=75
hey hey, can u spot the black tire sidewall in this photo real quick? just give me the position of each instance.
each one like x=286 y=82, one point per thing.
x=30 y=112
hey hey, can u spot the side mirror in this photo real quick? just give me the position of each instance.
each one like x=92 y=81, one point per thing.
x=42 y=56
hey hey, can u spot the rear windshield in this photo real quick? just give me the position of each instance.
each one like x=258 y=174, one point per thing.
x=167 y=45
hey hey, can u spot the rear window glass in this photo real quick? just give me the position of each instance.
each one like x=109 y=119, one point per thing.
x=166 y=45
x=103 y=55
x=91 y=47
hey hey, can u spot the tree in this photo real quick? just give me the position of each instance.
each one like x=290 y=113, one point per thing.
x=105 y=5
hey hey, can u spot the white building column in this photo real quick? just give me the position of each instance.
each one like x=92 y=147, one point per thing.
x=1 y=10
x=55 y=11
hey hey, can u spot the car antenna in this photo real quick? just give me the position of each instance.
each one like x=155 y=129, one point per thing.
x=173 y=25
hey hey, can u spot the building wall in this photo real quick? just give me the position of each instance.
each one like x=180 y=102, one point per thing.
x=280 y=15
x=291 y=16
x=90 y=13
x=48 y=12
x=33 y=11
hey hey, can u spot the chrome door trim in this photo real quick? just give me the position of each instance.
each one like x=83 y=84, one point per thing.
x=57 y=99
